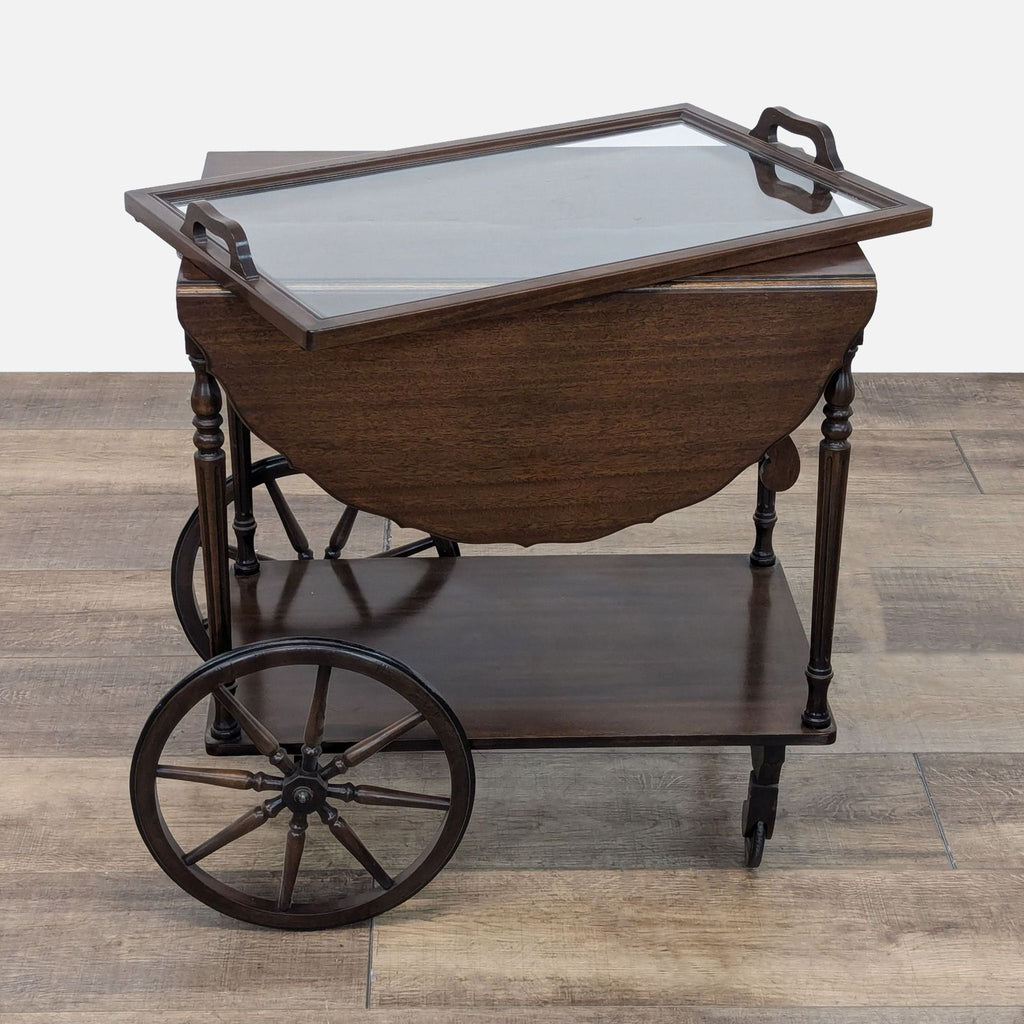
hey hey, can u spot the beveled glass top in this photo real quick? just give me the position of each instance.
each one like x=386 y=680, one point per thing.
x=361 y=243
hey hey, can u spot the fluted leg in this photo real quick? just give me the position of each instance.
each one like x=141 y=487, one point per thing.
x=833 y=468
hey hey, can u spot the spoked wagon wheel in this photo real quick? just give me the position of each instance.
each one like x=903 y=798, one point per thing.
x=265 y=474
x=264 y=879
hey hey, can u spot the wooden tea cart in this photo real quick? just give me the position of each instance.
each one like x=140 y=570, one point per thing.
x=515 y=373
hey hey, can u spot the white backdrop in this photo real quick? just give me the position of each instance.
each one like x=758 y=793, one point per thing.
x=100 y=98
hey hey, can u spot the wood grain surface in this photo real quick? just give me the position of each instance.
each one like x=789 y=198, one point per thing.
x=34 y=529
x=561 y=651
x=539 y=449
x=118 y=940
x=637 y=810
x=555 y=1015
x=593 y=886
x=888 y=401
x=980 y=801
x=996 y=457
x=76 y=462
x=551 y=937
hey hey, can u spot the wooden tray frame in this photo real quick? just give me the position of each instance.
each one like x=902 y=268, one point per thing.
x=233 y=266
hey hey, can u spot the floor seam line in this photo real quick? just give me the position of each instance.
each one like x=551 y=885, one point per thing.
x=935 y=813
x=970 y=468
x=369 y=965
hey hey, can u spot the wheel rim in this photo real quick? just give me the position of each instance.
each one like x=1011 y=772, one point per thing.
x=265 y=473
x=301 y=786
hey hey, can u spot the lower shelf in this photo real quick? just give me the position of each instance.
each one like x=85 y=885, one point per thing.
x=546 y=651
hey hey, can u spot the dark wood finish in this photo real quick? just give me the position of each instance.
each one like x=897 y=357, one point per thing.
x=366 y=748
x=634 y=678
x=896 y=213
x=765 y=518
x=817 y=200
x=294 y=845
x=766 y=171
x=303 y=787
x=82 y=403
x=202 y=218
x=229 y=778
x=552 y=651
x=296 y=535
x=532 y=435
x=212 y=519
x=833 y=469
x=757 y=316
x=241 y=826
x=190 y=541
x=774 y=118
x=778 y=470
x=382 y=796
x=210 y=484
x=346 y=835
x=341 y=533
x=246 y=563
x=256 y=732
x=263 y=473
x=761 y=805
x=313 y=739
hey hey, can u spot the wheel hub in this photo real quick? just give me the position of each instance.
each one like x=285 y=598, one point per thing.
x=304 y=792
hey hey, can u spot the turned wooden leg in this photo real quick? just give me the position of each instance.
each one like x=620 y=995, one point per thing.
x=764 y=524
x=246 y=562
x=778 y=470
x=213 y=518
x=833 y=468
x=759 y=809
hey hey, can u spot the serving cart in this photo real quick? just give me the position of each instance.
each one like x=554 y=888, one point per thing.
x=540 y=337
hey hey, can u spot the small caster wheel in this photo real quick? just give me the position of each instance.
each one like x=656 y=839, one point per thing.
x=754 y=844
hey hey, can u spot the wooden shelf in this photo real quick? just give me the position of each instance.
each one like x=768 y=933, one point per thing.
x=545 y=651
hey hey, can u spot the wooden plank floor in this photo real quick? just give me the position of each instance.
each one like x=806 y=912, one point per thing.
x=593 y=886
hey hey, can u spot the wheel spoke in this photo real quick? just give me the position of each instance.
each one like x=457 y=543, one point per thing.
x=296 y=537
x=344 y=833
x=263 y=739
x=412 y=548
x=339 y=538
x=292 y=856
x=230 y=778
x=316 y=719
x=366 y=748
x=379 y=796
x=241 y=826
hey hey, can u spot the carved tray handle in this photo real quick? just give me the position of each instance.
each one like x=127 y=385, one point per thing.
x=774 y=118
x=202 y=218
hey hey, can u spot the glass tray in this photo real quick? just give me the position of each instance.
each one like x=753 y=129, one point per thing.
x=390 y=243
